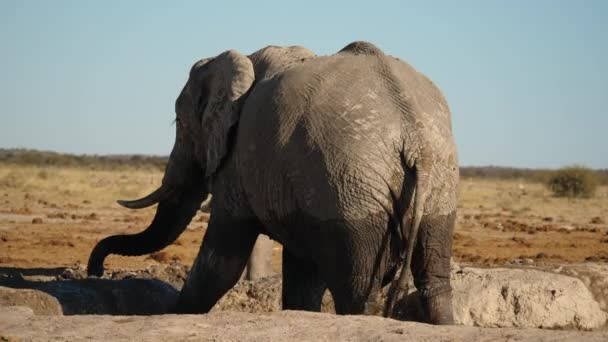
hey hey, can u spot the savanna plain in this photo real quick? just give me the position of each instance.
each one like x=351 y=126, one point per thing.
x=54 y=208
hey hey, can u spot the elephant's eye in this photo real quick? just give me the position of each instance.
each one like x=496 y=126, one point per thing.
x=178 y=122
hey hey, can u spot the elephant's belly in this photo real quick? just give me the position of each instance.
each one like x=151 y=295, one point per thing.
x=309 y=205
x=309 y=188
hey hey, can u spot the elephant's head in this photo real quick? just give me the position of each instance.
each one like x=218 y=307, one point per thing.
x=207 y=108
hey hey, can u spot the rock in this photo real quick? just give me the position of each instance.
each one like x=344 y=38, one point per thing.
x=173 y=273
x=596 y=220
x=262 y=295
x=92 y=216
x=39 y=302
x=523 y=298
x=594 y=276
x=482 y=297
x=279 y=326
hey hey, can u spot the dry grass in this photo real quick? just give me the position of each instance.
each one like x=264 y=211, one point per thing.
x=53 y=215
x=76 y=184
x=502 y=220
x=529 y=200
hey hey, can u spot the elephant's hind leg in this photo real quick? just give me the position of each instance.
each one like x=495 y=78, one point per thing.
x=356 y=296
x=303 y=287
x=431 y=267
x=353 y=268
x=219 y=264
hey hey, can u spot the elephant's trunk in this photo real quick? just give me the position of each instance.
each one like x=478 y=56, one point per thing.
x=171 y=219
x=179 y=198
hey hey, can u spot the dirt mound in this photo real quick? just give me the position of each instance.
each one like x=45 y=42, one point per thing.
x=39 y=302
x=482 y=297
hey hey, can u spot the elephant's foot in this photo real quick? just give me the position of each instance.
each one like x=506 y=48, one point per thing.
x=438 y=308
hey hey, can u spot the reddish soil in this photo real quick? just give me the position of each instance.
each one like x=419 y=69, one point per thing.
x=41 y=230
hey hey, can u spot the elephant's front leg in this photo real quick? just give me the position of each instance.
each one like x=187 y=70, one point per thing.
x=431 y=267
x=218 y=265
x=303 y=287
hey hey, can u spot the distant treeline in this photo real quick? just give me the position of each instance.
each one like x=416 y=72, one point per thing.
x=100 y=162
x=109 y=162
x=532 y=175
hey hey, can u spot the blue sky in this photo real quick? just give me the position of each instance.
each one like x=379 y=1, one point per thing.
x=527 y=81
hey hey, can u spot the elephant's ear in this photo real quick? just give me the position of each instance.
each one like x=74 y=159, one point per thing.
x=230 y=77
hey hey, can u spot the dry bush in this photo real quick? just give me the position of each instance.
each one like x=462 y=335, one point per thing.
x=573 y=181
x=602 y=176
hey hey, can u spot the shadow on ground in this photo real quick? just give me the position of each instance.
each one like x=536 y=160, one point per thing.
x=63 y=291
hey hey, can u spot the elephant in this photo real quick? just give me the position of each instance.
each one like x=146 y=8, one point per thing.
x=260 y=261
x=347 y=160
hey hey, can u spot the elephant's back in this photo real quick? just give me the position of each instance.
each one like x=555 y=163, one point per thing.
x=321 y=140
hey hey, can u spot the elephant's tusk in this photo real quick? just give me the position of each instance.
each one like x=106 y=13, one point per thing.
x=144 y=202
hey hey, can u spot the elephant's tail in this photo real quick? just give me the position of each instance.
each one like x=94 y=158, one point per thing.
x=400 y=285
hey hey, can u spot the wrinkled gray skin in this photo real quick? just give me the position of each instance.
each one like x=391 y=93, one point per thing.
x=346 y=160
x=260 y=260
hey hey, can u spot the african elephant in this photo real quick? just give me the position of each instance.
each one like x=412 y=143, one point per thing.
x=346 y=160
x=259 y=264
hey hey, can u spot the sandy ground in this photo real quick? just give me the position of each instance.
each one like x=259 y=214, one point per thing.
x=52 y=217
x=240 y=326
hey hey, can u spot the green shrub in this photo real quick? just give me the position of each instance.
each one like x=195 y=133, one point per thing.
x=573 y=181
